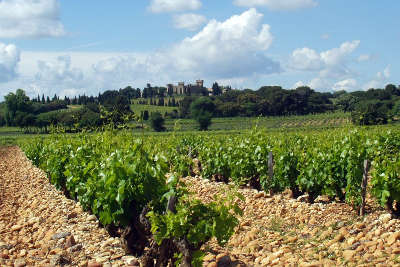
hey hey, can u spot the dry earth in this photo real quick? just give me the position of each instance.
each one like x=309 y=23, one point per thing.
x=281 y=231
x=40 y=227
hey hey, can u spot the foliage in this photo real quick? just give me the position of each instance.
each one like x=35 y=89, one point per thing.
x=157 y=122
x=369 y=113
x=216 y=89
x=385 y=182
x=145 y=115
x=196 y=222
x=201 y=110
x=116 y=178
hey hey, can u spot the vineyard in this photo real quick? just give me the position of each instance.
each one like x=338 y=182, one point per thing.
x=128 y=182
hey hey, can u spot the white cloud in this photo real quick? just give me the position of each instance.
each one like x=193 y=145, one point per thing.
x=380 y=80
x=161 y=6
x=306 y=59
x=386 y=72
x=320 y=84
x=189 y=21
x=277 y=4
x=117 y=71
x=231 y=50
x=298 y=84
x=316 y=84
x=347 y=85
x=221 y=50
x=364 y=57
x=330 y=64
x=336 y=56
x=58 y=71
x=9 y=59
x=30 y=19
x=71 y=92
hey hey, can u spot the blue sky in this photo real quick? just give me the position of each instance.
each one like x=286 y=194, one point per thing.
x=71 y=47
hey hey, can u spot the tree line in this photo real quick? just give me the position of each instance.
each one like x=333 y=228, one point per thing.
x=374 y=106
x=19 y=110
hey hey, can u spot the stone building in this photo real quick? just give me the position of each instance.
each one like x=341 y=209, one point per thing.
x=190 y=89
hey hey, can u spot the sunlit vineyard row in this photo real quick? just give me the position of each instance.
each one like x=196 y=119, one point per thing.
x=116 y=175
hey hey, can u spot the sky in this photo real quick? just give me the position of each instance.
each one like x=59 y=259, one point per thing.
x=71 y=47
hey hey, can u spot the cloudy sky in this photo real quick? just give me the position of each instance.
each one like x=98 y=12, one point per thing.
x=73 y=47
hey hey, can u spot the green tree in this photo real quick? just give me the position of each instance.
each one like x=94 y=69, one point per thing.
x=346 y=102
x=157 y=122
x=2 y=120
x=216 y=90
x=145 y=115
x=396 y=110
x=370 y=113
x=184 y=106
x=202 y=110
x=392 y=89
x=17 y=102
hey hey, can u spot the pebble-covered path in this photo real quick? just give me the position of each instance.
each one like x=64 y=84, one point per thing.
x=39 y=226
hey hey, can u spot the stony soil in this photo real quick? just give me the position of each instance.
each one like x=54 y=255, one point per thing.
x=39 y=226
x=281 y=231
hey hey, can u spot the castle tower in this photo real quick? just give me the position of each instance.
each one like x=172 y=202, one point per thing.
x=181 y=88
x=200 y=83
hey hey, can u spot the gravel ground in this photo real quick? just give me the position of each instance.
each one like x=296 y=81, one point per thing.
x=39 y=226
x=281 y=231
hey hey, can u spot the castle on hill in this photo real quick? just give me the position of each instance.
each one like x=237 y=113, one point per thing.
x=190 y=89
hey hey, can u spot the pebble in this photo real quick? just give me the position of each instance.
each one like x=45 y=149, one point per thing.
x=4 y=245
x=224 y=261
x=393 y=238
x=75 y=248
x=19 y=263
x=384 y=218
x=72 y=215
x=91 y=218
x=60 y=235
x=16 y=227
x=23 y=253
x=132 y=262
x=70 y=241
x=94 y=264
x=209 y=257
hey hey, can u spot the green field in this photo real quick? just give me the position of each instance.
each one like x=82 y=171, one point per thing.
x=177 y=99
x=243 y=123
x=317 y=121
x=236 y=124
x=10 y=131
x=74 y=107
x=137 y=109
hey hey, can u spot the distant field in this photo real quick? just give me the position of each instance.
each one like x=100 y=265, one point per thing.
x=223 y=125
x=166 y=99
x=318 y=121
x=74 y=106
x=137 y=109
x=10 y=131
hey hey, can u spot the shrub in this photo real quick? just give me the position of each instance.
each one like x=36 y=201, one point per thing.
x=202 y=109
x=369 y=113
x=157 y=122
